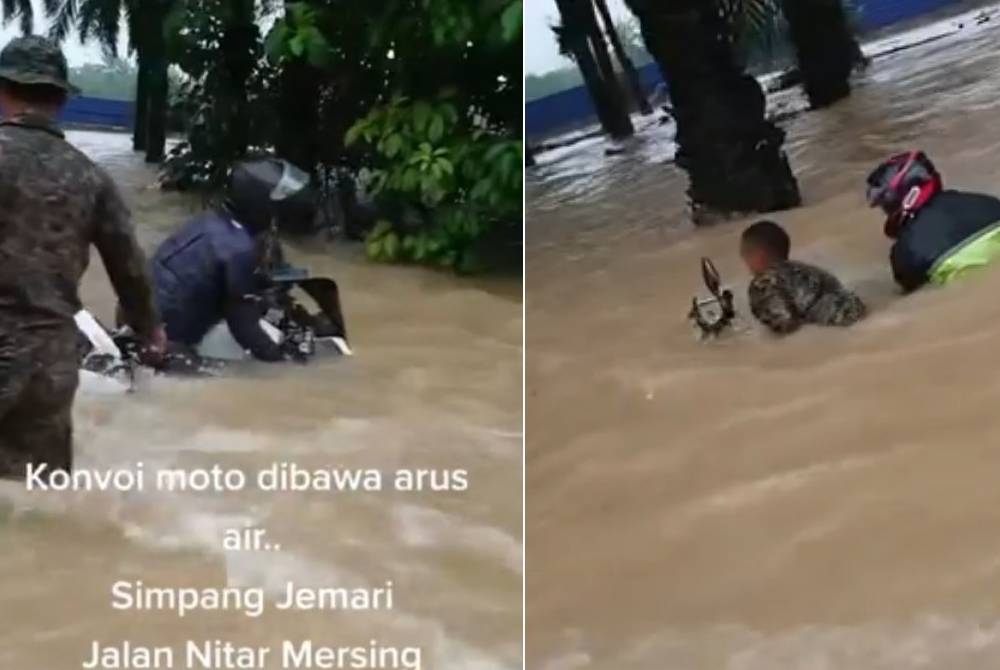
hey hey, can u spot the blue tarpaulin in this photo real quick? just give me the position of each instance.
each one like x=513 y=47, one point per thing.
x=573 y=108
x=98 y=112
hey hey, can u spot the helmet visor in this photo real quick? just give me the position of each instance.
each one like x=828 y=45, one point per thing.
x=873 y=195
x=878 y=185
x=292 y=181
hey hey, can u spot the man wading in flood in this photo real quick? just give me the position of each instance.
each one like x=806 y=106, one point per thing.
x=938 y=235
x=54 y=203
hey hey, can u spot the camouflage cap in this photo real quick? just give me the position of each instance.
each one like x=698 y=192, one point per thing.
x=35 y=60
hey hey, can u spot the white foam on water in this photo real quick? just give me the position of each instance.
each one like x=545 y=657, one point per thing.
x=95 y=384
x=427 y=527
x=932 y=642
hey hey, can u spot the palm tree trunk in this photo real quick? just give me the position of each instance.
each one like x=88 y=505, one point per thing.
x=612 y=114
x=628 y=67
x=733 y=155
x=156 y=129
x=298 y=81
x=598 y=44
x=159 y=90
x=141 y=120
x=239 y=42
x=826 y=49
x=613 y=85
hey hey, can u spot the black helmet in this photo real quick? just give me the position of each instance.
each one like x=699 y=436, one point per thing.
x=898 y=183
x=269 y=190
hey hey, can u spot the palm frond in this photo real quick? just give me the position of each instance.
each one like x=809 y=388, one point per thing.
x=110 y=20
x=62 y=14
x=27 y=13
x=133 y=22
x=753 y=23
x=561 y=33
x=19 y=9
x=751 y=19
x=100 y=19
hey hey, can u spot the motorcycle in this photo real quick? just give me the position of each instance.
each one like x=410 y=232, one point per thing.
x=715 y=314
x=110 y=360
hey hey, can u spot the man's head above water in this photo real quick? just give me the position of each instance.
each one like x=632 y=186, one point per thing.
x=900 y=186
x=269 y=190
x=33 y=77
x=762 y=245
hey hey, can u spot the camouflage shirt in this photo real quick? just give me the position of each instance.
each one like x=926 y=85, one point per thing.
x=791 y=293
x=55 y=203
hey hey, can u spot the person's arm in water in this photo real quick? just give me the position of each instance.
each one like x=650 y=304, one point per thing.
x=126 y=265
x=773 y=307
x=905 y=271
x=242 y=312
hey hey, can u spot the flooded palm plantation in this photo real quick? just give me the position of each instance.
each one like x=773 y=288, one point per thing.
x=822 y=501
x=435 y=383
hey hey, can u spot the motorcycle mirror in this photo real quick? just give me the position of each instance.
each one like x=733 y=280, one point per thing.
x=711 y=277
x=715 y=314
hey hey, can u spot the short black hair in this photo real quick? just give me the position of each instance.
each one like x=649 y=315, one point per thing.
x=769 y=236
x=35 y=94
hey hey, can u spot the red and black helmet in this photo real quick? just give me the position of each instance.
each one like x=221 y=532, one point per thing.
x=901 y=186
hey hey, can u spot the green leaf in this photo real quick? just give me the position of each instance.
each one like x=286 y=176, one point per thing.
x=379 y=182
x=300 y=12
x=420 y=248
x=393 y=145
x=318 y=49
x=390 y=247
x=495 y=151
x=373 y=248
x=436 y=130
x=511 y=20
x=509 y=164
x=411 y=180
x=354 y=133
x=297 y=45
x=382 y=228
x=276 y=45
x=481 y=189
x=449 y=111
x=421 y=116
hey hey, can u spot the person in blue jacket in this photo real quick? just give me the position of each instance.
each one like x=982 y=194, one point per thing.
x=938 y=234
x=211 y=269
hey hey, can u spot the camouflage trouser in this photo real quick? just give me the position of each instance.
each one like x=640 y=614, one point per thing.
x=38 y=379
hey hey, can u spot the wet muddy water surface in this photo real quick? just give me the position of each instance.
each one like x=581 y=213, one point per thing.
x=435 y=383
x=826 y=501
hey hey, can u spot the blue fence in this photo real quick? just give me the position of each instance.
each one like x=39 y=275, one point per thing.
x=98 y=112
x=881 y=13
x=573 y=108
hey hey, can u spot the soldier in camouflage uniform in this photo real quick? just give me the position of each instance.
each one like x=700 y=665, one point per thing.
x=785 y=294
x=54 y=203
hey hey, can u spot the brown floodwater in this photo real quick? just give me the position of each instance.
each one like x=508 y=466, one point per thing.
x=828 y=501
x=435 y=383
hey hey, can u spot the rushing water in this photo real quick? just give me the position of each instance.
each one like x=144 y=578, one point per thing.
x=435 y=383
x=827 y=501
